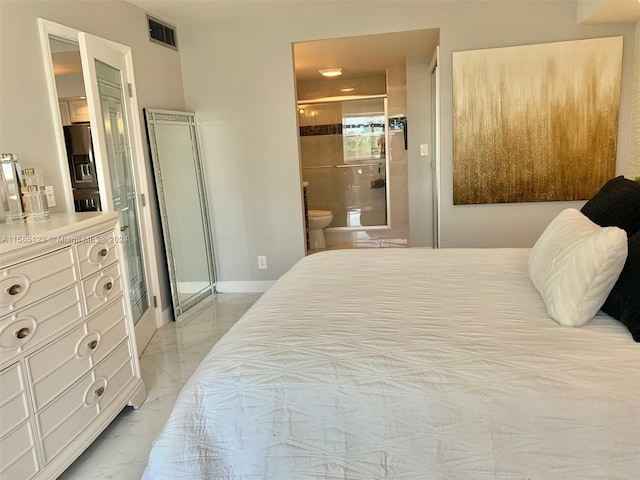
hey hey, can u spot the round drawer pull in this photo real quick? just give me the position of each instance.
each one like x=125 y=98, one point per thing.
x=14 y=289
x=23 y=333
x=103 y=253
x=99 y=392
x=92 y=345
x=108 y=286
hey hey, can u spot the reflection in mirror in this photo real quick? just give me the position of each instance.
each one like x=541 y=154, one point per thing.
x=74 y=116
x=183 y=206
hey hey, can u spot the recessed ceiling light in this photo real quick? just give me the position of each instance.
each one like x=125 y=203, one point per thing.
x=330 y=72
x=350 y=89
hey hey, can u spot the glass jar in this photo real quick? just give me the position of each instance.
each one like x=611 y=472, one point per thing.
x=34 y=200
x=10 y=186
x=34 y=197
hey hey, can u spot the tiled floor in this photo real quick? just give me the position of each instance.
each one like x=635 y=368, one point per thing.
x=337 y=240
x=122 y=450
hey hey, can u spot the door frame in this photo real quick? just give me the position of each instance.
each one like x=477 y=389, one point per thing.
x=140 y=168
x=435 y=141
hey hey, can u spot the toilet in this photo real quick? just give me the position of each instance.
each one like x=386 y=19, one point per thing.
x=318 y=220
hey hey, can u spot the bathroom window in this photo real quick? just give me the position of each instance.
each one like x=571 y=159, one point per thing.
x=363 y=130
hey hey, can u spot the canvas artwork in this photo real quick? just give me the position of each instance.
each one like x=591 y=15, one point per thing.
x=535 y=123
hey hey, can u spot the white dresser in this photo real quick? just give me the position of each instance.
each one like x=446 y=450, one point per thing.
x=68 y=360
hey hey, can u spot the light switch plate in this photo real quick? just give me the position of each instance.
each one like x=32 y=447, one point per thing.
x=424 y=149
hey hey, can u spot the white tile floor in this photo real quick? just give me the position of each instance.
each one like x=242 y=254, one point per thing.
x=122 y=450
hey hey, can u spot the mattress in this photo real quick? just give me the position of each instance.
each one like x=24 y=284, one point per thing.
x=408 y=364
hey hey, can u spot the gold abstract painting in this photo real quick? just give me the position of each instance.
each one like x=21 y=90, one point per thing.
x=535 y=123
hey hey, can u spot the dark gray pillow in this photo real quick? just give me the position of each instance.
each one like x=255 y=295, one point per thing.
x=623 y=302
x=617 y=204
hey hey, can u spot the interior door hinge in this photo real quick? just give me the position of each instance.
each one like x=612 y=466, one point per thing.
x=130 y=90
x=155 y=302
x=143 y=200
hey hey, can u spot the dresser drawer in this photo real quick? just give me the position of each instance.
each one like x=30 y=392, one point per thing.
x=94 y=256
x=110 y=327
x=28 y=282
x=102 y=287
x=33 y=325
x=13 y=398
x=118 y=370
x=18 y=454
x=63 y=419
x=56 y=366
x=18 y=458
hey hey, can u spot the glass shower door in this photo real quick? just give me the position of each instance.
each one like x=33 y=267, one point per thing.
x=344 y=158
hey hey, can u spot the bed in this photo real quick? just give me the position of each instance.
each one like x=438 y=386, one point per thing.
x=408 y=364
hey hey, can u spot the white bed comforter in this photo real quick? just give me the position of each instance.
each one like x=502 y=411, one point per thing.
x=408 y=364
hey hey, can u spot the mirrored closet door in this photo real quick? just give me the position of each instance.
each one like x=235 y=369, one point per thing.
x=101 y=152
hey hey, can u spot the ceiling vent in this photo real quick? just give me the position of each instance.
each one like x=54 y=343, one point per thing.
x=162 y=33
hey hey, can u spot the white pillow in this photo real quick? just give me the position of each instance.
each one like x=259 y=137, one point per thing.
x=574 y=265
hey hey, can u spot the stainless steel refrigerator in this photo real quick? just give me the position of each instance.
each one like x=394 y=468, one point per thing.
x=82 y=168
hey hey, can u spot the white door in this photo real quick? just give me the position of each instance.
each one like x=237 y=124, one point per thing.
x=120 y=167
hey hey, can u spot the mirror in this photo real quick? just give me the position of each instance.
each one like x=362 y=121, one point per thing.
x=182 y=197
x=70 y=93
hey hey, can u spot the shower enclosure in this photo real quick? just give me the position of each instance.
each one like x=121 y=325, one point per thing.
x=343 y=145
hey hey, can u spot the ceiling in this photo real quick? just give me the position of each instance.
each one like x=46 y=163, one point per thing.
x=358 y=56
x=608 y=11
x=364 y=55
x=180 y=12
x=194 y=11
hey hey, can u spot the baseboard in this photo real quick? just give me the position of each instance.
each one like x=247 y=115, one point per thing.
x=167 y=315
x=244 y=287
x=192 y=287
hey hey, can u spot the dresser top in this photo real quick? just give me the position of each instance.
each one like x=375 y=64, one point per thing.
x=16 y=236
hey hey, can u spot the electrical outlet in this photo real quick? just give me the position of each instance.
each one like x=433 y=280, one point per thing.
x=424 y=149
x=262 y=262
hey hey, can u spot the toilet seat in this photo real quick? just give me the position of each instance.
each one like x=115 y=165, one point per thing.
x=317 y=222
x=320 y=213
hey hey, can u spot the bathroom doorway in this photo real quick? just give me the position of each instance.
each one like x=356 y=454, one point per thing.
x=343 y=157
x=364 y=110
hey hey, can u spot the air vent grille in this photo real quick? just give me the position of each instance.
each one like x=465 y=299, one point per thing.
x=162 y=33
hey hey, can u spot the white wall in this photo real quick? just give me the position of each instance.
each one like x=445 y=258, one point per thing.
x=238 y=77
x=242 y=90
x=419 y=132
x=26 y=122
